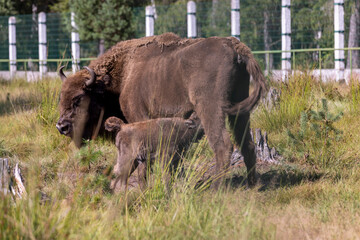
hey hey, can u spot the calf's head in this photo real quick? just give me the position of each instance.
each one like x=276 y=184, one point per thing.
x=77 y=105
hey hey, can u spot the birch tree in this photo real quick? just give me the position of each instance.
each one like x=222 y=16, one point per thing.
x=354 y=38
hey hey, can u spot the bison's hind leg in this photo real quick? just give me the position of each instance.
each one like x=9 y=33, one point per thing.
x=241 y=129
x=218 y=138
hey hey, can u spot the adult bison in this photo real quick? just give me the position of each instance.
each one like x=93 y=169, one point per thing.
x=166 y=76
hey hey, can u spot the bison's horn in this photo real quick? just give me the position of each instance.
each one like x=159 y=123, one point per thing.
x=61 y=74
x=89 y=82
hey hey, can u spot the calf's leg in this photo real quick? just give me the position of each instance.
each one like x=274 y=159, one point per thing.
x=123 y=168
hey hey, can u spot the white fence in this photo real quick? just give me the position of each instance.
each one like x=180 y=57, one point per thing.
x=150 y=21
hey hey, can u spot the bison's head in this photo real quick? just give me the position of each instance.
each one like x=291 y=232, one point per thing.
x=79 y=109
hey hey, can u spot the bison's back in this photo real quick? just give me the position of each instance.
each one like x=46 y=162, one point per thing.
x=169 y=80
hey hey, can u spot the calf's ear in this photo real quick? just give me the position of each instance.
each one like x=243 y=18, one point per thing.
x=113 y=124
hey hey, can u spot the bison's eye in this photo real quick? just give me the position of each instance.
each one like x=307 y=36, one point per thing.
x=76 y=101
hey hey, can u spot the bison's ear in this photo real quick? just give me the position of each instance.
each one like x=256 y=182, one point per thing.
x=106 y=79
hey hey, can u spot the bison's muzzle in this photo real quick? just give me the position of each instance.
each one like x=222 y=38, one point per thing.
x=64 y=127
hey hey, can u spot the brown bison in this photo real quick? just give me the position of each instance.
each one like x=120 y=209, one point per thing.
x=166 y=76
x=162 y=138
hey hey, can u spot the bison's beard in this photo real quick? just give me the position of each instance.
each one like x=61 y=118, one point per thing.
x=80 y=121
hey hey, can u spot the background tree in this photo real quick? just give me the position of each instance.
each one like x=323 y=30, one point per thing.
x=260 y=28
x=354 y=33
x=106 y=21
x=7 y=7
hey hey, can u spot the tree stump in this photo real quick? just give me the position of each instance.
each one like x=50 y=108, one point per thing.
x=11 y=181
x=262 y=149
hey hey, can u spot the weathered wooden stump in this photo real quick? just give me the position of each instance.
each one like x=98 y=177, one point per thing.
x=271 y=99
x=11 y=181
x=263 y=152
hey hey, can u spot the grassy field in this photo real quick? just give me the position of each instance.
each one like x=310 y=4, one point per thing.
x=313 y=194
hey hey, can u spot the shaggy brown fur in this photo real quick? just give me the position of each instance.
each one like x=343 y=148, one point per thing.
x=165 y=76
x=136 y=142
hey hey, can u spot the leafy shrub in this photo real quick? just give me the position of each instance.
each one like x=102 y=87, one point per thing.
x=88 y=155
x=317 y=139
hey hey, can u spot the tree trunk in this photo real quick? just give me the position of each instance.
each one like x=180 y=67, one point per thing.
x=213 y=13
x=101 y=47
x=267 y=42
x=154 y=6
x=354 y=36
x=34 y=28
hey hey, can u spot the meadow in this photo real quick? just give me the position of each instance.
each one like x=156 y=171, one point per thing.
x=314 y=193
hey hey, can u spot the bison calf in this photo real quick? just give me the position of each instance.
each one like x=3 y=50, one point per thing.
x=163 y=138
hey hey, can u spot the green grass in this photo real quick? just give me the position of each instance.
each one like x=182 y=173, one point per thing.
x=69 y=196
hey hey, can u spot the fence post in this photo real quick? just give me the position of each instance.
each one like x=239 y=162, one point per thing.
x=339 y=39
x=42 y=44
x=191 y=20
x=75 y=44
x=235 y=18
x=149 y=21
x=285 y=38
x=12 y=46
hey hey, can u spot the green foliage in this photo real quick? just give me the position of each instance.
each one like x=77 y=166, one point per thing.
x=253 y=21
x=68 y=199
x=305 y=31
x=61 y=6
x=355 y=96
x=4 y=152
x=7 y=7
x=109 y=20
x=88 y=155
x=305 y=34
x=171 y=18
x=317 y=139
x=296 y=96
x=116 y=21
x=217 y=20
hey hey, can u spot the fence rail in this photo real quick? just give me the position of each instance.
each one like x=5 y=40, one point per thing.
x=318 y=69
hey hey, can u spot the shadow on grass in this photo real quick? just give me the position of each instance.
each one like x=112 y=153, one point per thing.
x=284 y=176
x=13 y=105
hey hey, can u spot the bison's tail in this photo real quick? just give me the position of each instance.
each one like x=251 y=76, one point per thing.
x=253 y=68
x=113 y=124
